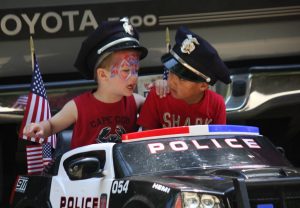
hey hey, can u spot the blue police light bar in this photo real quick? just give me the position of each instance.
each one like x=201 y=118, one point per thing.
x=265 y=206
x=233 y=128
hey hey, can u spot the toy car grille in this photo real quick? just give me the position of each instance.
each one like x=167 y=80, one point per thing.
x=273 y=196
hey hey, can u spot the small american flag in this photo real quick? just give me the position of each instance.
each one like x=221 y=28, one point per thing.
x=37 y=108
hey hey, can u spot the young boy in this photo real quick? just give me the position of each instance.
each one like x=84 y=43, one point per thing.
x=111 y=56
x=193 y=65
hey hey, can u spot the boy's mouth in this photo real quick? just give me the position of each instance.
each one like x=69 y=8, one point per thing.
x=131 y=86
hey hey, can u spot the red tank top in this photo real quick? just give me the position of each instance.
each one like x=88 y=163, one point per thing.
x=169 y=112
x=98 y=121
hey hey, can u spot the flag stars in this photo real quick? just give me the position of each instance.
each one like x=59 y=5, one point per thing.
x=37 y=83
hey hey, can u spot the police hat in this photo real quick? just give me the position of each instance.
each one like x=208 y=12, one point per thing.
x=110 y=36
x=194 y=59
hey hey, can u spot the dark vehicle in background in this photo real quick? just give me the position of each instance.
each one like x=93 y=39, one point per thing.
x=258 y=40
x=203 y=166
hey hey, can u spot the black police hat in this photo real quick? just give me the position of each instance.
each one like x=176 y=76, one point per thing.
x=193 y=58
x=110 y=36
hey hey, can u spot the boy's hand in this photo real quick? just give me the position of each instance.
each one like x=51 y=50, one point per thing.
x=34 y=130
x=161 y=87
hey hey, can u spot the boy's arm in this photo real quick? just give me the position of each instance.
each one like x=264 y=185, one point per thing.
x=63 y=119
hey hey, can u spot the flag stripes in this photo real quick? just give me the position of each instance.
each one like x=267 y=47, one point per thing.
x=34 y=159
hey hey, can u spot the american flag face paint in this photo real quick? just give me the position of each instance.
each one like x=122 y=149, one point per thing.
x=126 y=67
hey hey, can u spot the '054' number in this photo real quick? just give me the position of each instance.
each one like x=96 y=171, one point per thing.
x=119 y=187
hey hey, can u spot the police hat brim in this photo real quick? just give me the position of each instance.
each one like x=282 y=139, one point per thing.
x=128 y=45
x=177 y=68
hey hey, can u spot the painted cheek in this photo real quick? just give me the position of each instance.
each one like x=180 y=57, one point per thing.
x=114 y=72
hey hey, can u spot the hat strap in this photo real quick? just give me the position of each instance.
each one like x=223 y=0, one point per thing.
x=115 y=42
x=186 y=65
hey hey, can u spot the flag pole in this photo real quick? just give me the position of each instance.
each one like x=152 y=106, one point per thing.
x=32 y=52
x=168 y=46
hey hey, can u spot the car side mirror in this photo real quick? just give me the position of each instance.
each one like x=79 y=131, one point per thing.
x=83 y=168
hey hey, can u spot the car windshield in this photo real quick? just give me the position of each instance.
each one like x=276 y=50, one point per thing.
x=169 y=154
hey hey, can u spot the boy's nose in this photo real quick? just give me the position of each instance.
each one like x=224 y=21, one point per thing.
x=133 y=78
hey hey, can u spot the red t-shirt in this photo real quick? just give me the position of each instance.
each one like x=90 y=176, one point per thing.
x=102 y=121
x=169 y=112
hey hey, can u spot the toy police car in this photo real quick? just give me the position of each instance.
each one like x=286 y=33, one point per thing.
x=205 y=166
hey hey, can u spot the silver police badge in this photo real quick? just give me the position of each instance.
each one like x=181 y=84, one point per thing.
x=127 y=26
x=188 y=45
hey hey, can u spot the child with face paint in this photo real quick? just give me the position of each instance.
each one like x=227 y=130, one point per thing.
x=111 y=56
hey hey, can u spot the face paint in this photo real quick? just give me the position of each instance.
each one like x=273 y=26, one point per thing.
x=126 y=68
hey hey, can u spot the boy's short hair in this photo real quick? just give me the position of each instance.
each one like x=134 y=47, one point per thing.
x=102 y=63
x=110 y=36
x=194 y=59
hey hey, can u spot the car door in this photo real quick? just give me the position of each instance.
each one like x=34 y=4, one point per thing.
x=84 y=178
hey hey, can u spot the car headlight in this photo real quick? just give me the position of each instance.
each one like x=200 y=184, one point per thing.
x=191 y=200
x=194 y=200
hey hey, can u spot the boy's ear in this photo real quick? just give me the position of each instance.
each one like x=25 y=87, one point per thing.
x=102 y=73
x=203 y=86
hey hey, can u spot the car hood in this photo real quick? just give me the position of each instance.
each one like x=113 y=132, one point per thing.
x=221 y=180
